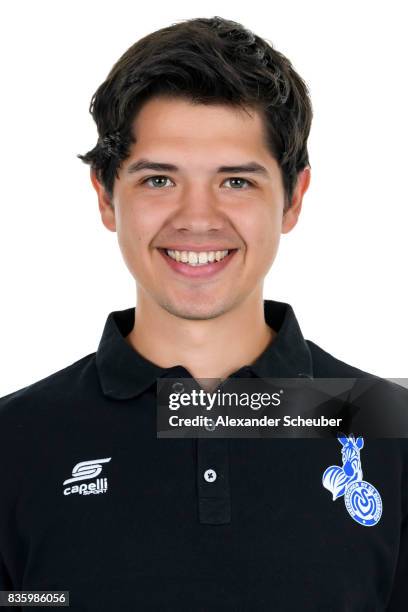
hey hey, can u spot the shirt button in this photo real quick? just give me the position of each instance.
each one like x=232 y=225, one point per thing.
x=210 y=426
x=177 y=387
x=210 y=475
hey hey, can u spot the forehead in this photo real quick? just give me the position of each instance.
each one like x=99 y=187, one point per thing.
x=180 y=122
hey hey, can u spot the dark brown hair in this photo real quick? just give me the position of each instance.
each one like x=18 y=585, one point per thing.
x=207 y=61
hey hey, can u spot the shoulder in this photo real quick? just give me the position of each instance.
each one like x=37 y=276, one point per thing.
x=45 y=392
x=379 y=405
x=327 y=365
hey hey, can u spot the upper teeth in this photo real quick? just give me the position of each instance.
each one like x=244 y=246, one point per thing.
x=193 y=258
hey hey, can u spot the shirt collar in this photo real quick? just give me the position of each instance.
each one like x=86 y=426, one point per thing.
x=124 y=373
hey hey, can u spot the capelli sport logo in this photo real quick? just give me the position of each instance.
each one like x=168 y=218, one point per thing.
x=86 y=470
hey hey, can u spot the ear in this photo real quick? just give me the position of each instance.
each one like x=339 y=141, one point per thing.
x=360 y=442
x=290 y=217
x=106 y=207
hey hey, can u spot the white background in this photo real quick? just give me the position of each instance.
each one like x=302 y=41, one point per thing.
x=343 y=267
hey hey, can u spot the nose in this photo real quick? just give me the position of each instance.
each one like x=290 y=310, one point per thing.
x=198 y=210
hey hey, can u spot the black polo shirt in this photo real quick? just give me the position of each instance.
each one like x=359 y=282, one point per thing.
x=94 y=503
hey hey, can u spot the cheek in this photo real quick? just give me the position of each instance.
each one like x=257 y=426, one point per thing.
x=135 y=226
x=261 y=230
x=134 y=233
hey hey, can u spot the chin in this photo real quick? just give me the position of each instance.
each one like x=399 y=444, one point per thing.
x=195 y=310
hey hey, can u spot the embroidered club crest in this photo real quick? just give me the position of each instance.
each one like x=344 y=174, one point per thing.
x=362 y=500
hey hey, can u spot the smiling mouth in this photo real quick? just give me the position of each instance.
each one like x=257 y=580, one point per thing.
x=197 y=258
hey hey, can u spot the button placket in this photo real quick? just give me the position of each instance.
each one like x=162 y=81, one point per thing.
x=214 y=503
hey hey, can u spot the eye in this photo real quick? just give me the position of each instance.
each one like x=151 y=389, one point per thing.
x=161 y=180
x=237 y=181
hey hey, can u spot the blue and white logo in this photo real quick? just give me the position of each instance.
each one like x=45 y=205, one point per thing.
x=361 y=498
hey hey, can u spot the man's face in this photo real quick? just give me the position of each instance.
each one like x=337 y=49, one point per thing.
x=197 y=206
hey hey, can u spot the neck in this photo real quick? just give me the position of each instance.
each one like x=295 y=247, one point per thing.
x=207 y=348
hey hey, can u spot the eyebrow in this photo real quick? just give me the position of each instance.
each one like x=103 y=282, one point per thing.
x=146 y=164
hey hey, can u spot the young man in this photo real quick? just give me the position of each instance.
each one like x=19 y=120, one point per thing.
x=201 y=164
